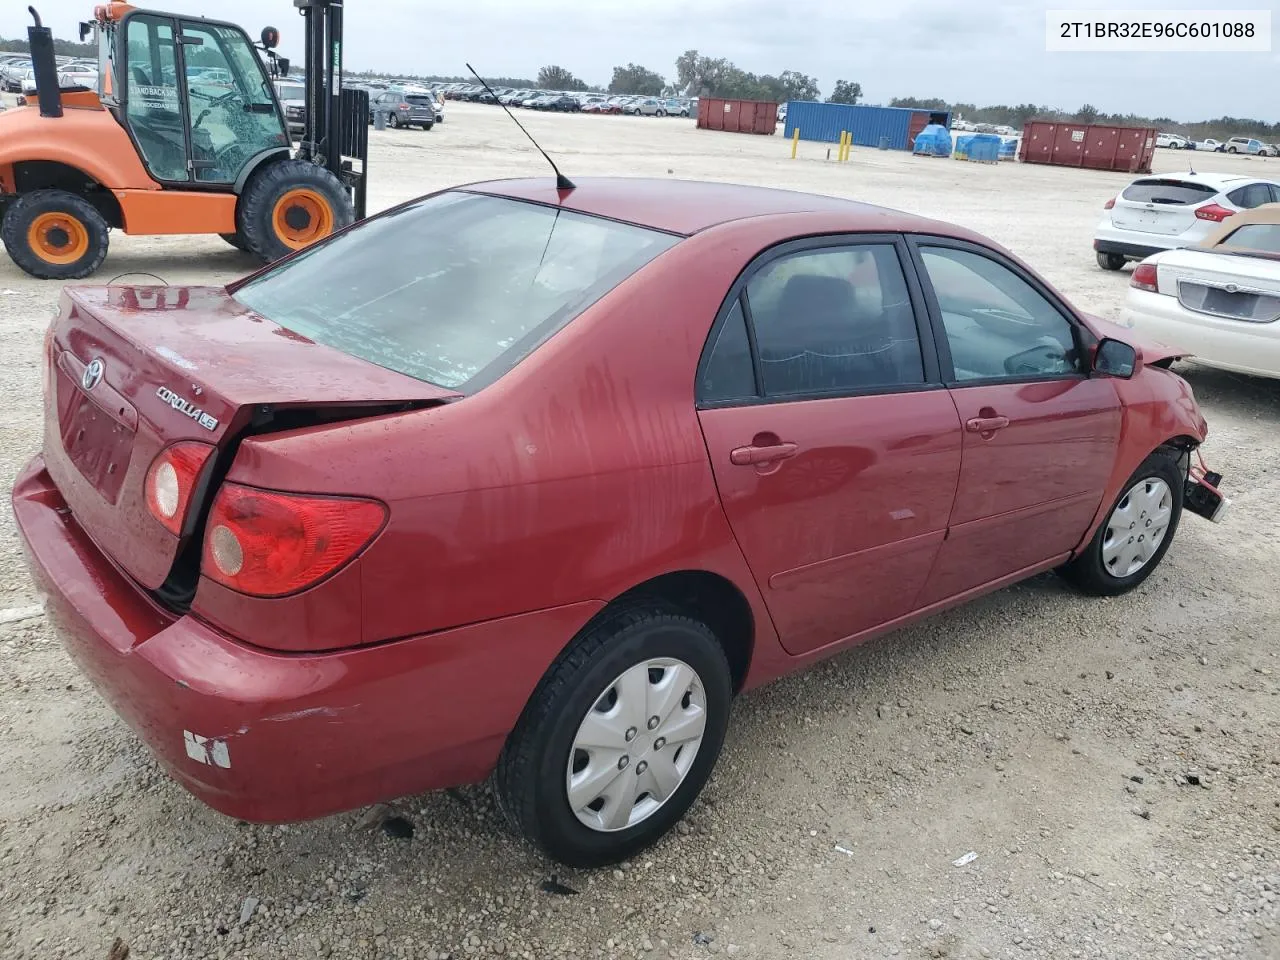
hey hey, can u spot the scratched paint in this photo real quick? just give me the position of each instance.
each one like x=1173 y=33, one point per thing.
x=207 y=750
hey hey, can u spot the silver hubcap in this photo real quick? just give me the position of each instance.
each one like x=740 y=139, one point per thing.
x=1136 y=527
x=636 y=744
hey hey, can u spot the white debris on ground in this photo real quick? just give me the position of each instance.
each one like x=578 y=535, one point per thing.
x=1115 y=763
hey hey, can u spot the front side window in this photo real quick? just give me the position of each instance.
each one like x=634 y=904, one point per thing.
x=233 y=116
x=454 y=289
x=835 y=320
x=997 y=325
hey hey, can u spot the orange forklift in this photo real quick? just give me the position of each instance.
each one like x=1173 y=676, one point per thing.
x=183 y=135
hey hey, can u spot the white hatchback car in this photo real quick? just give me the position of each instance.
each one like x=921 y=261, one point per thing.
x=1172 y=210
x=1219 y=300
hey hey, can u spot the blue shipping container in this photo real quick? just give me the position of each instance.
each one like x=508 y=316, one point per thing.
x=825 y=122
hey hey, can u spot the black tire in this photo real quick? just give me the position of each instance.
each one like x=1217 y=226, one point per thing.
x=270 y=187
x=1111 y=261
x=1089 y=572
x=393 y=121
x=235 y=240
x=529 y=781
x=428 y=126
x=661 y=113
x=82 y=227
x=1231 y=149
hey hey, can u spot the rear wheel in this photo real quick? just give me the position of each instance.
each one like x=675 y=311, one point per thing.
x=1111 y=261
x=289 y=206
x=618 y=739
x=55 y=235
x=661 y=113
x=1231 y=149
x=1136 y=534
x=235 y=240
x=393 y=120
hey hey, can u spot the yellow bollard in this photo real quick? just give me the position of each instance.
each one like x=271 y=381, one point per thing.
x=848 y=143
x=795 y=142
x=843 y=138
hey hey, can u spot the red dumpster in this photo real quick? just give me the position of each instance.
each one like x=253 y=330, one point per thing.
x=1095 y=146
x=737 y=116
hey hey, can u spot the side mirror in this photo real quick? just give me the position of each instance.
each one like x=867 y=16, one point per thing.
x=1113 y=358
x=282 y=66
x=85 y=30
x=270 y=38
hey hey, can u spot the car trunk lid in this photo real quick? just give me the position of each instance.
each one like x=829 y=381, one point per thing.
x=1221 y=284
x=134 y=369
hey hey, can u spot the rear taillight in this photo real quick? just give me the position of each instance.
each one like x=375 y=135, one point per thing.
x=1109 y=204
x=404 y=106
x=268 y=544
x=172 y=479
x=1144 y=277
x=1213 y=212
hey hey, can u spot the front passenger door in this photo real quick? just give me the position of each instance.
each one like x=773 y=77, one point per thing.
x=1040 y=435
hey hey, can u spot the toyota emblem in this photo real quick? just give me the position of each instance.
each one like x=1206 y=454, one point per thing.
x=92 y=374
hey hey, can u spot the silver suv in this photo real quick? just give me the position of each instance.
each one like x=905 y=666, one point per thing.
x=407 y=109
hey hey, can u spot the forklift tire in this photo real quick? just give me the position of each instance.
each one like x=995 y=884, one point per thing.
x=290 y=205
x=235 y=240
x=55 y=235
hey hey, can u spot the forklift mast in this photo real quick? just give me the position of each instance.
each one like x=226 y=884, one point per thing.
x=336 y=121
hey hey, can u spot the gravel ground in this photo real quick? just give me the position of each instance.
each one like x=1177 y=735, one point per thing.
x=1115 y=766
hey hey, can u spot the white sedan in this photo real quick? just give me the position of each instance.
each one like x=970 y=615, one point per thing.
x=1219 y=300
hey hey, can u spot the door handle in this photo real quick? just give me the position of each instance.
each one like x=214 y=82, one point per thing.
x=745 y=456
x=986 y=424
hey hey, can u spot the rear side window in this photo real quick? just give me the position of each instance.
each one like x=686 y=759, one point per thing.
x=728 y=374
x=834 y=320
x=1157 y=190
x=1255 y=236
x=1253 y=195
x=454 y=289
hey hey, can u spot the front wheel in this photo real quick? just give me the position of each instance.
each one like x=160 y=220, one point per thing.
x=661 y=113
x=235 y=240
x=1111 y=261
x=1130 y=543
x=55 y=235
x=290 y=205
x=618 y=739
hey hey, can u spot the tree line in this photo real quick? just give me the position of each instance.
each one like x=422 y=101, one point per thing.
x=699 y=75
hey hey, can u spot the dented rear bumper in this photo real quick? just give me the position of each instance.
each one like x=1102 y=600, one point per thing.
x=271 y=737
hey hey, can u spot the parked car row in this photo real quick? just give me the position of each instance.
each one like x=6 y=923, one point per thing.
x=1246 y=145
x=17 y=75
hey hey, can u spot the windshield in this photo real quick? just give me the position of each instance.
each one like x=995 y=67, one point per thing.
x=453 y=289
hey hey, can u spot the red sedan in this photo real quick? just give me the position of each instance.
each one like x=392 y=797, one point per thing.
x=516 y=481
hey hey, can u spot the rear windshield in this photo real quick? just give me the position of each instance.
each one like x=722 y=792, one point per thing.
x=1255 y=236
x=1167 y=191
x=291 y=93
x=453 y=289
x=420 y=98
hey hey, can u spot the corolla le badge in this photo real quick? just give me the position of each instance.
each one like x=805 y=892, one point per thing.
x=92 y=375
x=186 y=407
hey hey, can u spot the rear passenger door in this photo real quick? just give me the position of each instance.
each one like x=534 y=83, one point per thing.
x=1040 y=435
x=1251 y=195
x=834 y=445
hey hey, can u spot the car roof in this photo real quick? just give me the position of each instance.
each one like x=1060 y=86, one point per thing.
x=689 y=206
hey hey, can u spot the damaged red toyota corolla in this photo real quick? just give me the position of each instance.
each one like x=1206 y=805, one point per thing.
x=531 y=483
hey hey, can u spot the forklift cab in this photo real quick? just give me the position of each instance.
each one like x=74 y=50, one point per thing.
x=193 y=94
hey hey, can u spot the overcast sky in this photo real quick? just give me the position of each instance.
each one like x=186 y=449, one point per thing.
x=976 y=51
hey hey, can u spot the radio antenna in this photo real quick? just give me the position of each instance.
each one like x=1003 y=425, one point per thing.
x=562 y=182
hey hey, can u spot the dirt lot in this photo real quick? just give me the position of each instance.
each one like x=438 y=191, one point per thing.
x=1114 y=765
